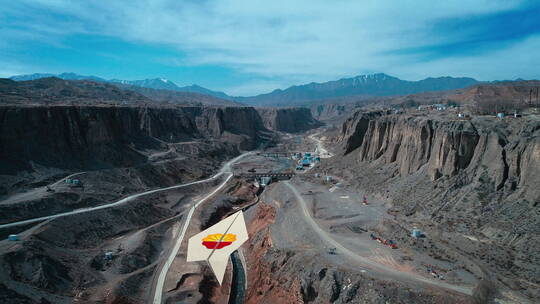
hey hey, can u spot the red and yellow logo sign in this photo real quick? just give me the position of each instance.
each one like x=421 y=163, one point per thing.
x=215 y=241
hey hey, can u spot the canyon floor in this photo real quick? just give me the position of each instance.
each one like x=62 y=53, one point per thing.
x=310 y=237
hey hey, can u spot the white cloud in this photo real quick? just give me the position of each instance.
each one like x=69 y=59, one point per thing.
x=293 y=41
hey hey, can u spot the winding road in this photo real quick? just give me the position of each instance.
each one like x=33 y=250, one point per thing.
x=226 y=169
x=158 y=288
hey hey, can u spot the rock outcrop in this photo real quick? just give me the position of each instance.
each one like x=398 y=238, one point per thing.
x=291 y=120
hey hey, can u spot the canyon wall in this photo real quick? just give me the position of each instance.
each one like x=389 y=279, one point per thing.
x=89 y=137
x=333 y=112
x=508 y=151
x=291 y=120
x=456 y=179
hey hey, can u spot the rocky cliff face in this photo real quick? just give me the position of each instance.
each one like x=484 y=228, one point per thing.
x=329 y=111
x=465 y=178
x=446 y=147
x=100 y=137
x=290 y=120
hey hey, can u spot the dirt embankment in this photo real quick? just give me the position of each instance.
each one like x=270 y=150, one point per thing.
x=291 y=120
x=468 y=182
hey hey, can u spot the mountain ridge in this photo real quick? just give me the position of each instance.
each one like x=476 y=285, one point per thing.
x=53 y=90
x=371 y=85
x=358 y=87
x=151 y=83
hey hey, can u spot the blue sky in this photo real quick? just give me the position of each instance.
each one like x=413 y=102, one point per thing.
x=250 y=47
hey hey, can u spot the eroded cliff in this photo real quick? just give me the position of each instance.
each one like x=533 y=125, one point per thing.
x=80 y=137
x=468 y=182
x=291 y=120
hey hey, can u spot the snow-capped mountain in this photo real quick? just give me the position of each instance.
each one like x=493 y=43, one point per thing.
x=364 y=85
x=154 y=83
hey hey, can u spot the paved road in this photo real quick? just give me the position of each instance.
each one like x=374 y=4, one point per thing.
x=117 y=203
x=226 y=168
x=368 y=263
x=158 y=289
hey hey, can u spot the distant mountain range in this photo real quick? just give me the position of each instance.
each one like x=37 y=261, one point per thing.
x=91 y=91
x=360 y=86
x=154 y=83
x=301 y=95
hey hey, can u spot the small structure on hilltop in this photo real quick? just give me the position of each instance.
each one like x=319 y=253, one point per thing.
x=439 y=107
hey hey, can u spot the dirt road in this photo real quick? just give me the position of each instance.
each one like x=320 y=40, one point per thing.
x=34 y=193
x=364 y=261
x=323 y=153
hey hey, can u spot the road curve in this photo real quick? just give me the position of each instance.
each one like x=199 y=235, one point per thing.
x=363 y=260
x=158 y=290
x=117 y=203
x=224 y=169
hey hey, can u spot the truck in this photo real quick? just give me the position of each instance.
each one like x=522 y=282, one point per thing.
x=389 y=243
